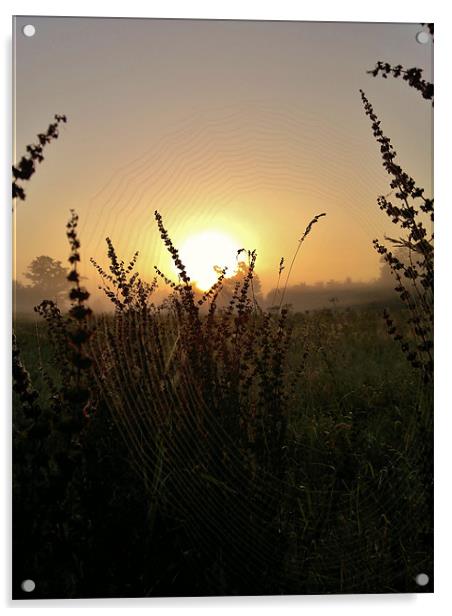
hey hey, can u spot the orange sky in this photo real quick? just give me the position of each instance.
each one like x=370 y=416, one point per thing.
x=248 y=128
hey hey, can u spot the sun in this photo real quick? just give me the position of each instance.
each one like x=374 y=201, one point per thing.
x=204 y=251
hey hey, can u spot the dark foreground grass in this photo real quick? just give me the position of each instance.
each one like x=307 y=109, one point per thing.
x=137 y=507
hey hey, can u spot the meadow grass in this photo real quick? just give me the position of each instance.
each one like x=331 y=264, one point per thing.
x=345 y=509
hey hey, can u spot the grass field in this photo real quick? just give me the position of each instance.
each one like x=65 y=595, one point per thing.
x=338 y=502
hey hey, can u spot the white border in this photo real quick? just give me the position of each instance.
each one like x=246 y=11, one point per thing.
x=383 y=10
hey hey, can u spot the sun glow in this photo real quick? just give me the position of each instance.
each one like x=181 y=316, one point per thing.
x=204 y=251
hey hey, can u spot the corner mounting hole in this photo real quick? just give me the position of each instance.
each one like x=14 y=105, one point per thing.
x=28 y=586
x=422 y=579
x=422 y=37
x=29 y=30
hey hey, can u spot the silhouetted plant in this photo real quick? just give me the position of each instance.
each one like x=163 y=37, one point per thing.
x=72 y=333
x=210 y=394
x=49 y=459
x=413 y=76
x=280 y=271
x=24 y=170
x=300 y=242
x=22 y=384
x=415 y=280
x=27 y=164
x=126 y=290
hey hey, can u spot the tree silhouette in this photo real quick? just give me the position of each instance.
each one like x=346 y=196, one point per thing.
x=48 y=277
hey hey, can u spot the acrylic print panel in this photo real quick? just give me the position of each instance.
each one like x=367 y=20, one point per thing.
x=222 y=308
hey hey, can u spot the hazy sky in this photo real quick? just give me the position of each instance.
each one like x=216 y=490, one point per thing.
x=245 y=128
